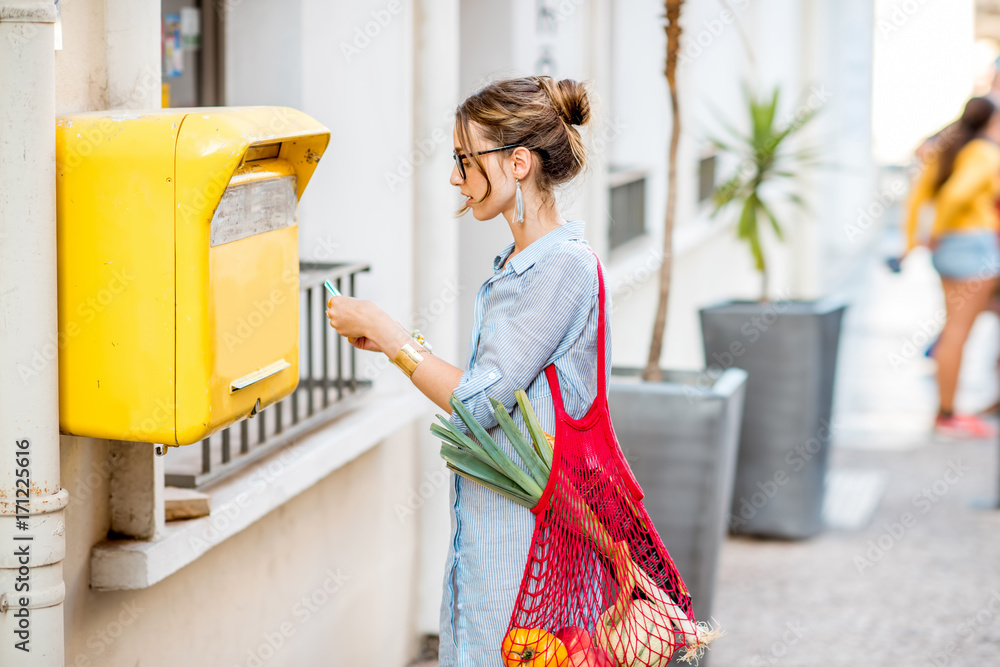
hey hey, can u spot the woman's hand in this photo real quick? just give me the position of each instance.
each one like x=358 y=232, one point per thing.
x=364 y=343
x=360 y=321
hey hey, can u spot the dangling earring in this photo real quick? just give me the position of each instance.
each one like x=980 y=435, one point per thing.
x=518 y=203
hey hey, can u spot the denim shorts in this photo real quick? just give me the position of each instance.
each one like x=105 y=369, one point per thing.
x=967 y=256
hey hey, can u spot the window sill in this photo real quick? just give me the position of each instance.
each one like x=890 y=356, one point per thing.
x=239 y=501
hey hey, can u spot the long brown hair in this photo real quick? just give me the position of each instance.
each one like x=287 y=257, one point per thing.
x=535 y=112
x=975 y=117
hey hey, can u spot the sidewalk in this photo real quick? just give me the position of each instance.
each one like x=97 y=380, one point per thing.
x=918 y=583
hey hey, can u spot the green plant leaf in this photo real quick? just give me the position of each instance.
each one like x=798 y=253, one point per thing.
x=513 y=496
x=470 y=464
x=772 y=159
x=720 y=118
x=798 y=200
x=774 y=221
x=511 y=469
x=534 y=428
x=758 y=254
x=747 y=227
x=527 y=453
x=460 y=439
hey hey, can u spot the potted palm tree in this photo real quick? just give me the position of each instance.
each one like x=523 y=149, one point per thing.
x=679 y=429
x=789 y=348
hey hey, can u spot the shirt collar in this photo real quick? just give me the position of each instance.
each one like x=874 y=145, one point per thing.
x=525 y=259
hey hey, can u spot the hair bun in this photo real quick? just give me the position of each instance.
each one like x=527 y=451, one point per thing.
x=570 y=100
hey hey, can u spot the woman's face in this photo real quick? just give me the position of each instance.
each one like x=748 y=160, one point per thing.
x=473 y=187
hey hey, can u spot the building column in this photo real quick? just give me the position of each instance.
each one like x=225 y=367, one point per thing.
x=435 y=261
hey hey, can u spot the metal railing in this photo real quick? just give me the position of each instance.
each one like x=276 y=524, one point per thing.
x=328 y=385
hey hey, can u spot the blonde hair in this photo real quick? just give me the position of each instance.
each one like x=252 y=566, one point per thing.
x=535 y=112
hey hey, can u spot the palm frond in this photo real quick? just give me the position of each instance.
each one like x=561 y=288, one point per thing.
x=772 y=159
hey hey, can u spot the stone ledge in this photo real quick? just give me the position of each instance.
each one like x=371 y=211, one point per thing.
x=256 y=491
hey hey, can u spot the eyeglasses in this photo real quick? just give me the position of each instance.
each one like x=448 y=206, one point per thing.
x=461 y=157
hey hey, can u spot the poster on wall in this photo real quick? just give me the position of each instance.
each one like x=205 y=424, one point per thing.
x=173 y=47
x=191 y=28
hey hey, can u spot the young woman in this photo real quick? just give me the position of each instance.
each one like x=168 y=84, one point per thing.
x=962 y=179
x=515 y=142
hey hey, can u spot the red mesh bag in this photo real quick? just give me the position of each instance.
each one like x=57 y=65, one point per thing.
x=598 y=577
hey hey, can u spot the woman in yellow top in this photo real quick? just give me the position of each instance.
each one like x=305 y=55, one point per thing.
x=962 y=180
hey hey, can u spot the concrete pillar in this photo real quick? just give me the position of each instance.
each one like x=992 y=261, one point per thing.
x=133 y=53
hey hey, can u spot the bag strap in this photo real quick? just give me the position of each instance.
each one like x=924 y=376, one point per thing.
x=550 y=370
x=602 y=390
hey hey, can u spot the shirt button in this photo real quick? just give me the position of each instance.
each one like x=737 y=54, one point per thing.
x=459 y=606
x=493 y=376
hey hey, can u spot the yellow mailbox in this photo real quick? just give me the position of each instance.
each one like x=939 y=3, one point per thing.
x=178 y=267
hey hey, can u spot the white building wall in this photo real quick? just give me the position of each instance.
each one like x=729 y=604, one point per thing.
x=325 y=579
x=264 y=53
x=799 y=46
x=924 y=71
x=264 y=597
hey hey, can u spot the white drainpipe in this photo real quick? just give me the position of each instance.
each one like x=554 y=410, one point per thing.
x=31 y=587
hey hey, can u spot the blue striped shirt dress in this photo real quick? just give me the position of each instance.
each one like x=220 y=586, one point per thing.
x=539 y=308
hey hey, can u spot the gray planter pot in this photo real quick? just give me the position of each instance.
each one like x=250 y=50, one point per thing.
x=680 y=437
x=789 y=350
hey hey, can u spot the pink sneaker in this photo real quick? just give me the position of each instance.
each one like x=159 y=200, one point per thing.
x=964 y=427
